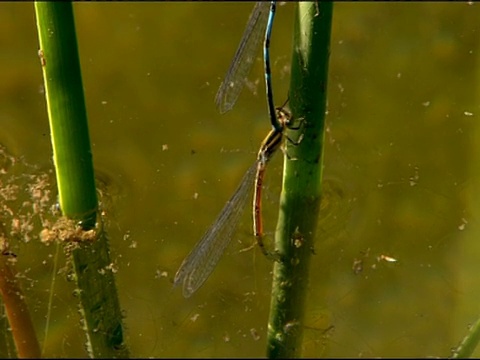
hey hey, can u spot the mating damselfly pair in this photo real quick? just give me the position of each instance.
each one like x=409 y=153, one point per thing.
x=201 y=261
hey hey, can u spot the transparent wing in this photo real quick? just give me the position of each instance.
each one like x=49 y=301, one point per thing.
x=244 y=57
x=200 y=262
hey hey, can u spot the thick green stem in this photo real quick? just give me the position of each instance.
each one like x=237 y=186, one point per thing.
x=97 y=293
x=301 y=194
x=66 y=111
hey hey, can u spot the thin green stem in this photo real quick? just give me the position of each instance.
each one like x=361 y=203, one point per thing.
x=301 y=194
x=469 y=343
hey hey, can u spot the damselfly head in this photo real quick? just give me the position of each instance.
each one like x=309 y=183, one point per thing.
x=283 y=116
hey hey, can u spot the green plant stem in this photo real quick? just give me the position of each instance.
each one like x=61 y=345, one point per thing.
x=99 y=303
x=66 y=111
x=469 y=343
x=301 y=194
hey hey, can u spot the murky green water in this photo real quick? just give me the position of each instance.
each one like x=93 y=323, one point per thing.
x=401 y=142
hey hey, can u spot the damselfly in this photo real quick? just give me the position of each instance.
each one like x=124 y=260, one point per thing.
x=259 y=26
x=200 y=262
